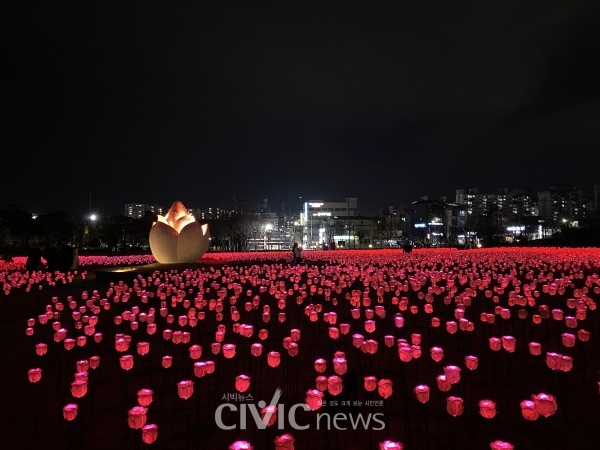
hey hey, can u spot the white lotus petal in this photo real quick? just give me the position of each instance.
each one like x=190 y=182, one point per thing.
x=163 y=243
x=192 y=242
x=182 y=222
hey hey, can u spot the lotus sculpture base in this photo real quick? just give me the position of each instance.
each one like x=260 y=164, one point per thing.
x=177 y=238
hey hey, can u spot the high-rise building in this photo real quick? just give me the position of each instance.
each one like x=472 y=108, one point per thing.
x=138 y=210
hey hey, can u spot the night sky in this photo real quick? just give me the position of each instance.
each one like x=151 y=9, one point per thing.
x=385 y=101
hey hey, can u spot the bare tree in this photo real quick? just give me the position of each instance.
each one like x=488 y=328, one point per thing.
x=249 y=228
x=331 y=228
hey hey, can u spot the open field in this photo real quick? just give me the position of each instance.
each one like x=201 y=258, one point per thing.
x=404 y=319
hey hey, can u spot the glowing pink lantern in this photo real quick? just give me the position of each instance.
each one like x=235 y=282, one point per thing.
x=487 y=409
x=200 y=369
x=571 y=322
x=370 y=383
x=149 y=433
x=83 y=365
x=568 y=339
x=389 y=340
x=79 y=388
x=273 y=359
x=471 y=362
x=314 y=399
x=553 y=360
x=320 y=365
x=195 y=351
x=385 y=388
x=255 y=349
x=443 y=384
x=437 y=353
x=271 y=412
x=495 y=344
x=69 y=344
x=344 y=328
x=509 y=343
x=529 y=410
x=241 y=445
x=321 y=383
x=143 y=348
x=435 y=322
x=210 y=366
x=545 y=404
x=422 y=392
x=242 y=383
x=340 y=366
x=451 y=327
x=34 y=375
x=293 y=349
x=501 y=445
x=126 y=362
x=81 y=376
x=405 y=353
x=167 y=361
x=415 y=339
x=535 y=348
x=136 y=417
x=41 y=349
x=284 y=442
x=454 y=406
x=390 y=445
x=185 y=389
x=145 y=397
x=583 y=335
x=370 y=346
x=94 y=362
x=229 y=351
x=357 y=340
x=566 y=363
x=295 y=335
x=334 y=385
x=452 y=374
x=369 y=326
x=334 y=333
x=70 y=412
x=398 y=320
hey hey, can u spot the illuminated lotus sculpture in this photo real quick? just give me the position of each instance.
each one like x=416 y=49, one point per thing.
x=177 y=237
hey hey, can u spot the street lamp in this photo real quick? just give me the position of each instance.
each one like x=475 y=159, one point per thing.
x=91 y=218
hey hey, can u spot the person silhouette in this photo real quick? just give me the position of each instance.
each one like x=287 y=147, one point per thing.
x=297 y=253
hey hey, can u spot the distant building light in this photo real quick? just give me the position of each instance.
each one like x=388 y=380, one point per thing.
x=420 y=225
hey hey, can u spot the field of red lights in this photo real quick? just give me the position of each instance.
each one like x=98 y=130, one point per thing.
x=448 y=349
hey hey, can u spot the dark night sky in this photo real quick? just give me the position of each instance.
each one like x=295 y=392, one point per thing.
x=384 y=101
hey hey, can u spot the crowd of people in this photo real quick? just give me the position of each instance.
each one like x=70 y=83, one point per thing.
x=61 y=257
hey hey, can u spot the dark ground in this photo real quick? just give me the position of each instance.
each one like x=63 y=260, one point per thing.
x=31 y=415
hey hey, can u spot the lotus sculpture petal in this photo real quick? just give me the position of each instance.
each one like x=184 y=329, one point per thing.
x=176 y=237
